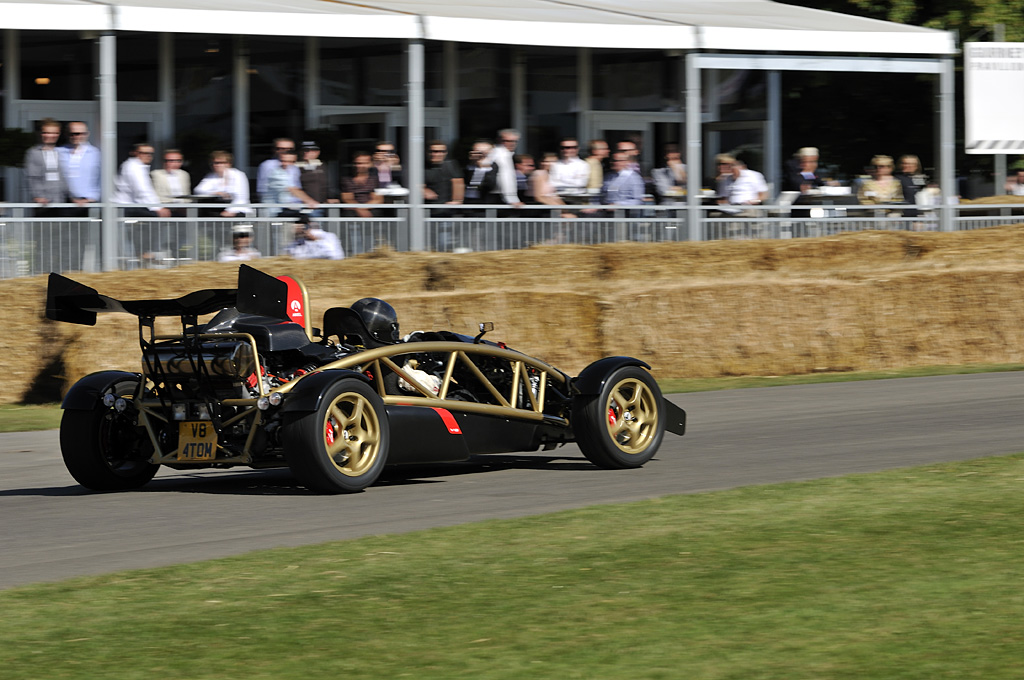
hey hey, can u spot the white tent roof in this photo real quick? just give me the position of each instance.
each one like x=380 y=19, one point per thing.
x=748 y=25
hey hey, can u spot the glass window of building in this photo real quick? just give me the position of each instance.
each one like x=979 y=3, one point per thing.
x=551 y=96
x=57 y=65
x=138 y=70
x=485 y=91
x=203 y=86
x=277 y=102
x=357 y=72
x=645 y=80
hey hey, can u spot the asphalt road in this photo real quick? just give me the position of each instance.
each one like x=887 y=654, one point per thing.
x=53 y=529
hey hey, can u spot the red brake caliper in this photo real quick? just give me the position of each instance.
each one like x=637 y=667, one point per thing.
x=611 y=415
x=329 y=433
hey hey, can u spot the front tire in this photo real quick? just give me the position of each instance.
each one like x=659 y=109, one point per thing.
x=341 y=447
x=105 y=450
x=621 y=427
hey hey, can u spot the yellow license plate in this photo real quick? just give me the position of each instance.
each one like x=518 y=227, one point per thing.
x=197 y=441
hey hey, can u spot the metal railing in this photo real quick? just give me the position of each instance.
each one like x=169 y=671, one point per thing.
x=31 y=243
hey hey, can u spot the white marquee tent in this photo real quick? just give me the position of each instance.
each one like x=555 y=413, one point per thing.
x=714 y=34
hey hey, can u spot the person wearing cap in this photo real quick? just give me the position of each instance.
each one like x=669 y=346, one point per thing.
x=241 y=248
x=313 y=243
x=313 y=175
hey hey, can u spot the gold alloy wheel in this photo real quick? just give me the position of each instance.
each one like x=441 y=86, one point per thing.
x=352 y=434
x=632 y=416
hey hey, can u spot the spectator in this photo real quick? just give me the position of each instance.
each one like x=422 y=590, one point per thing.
x=281 y=145
x=623 y=185
x=134 y=187
x=360 y=188
x=171 y=183
x=313 y=174
x=241 y=248
x=743 y=186
x=501 y=158
x=1015 y=184
x=596 y=161
x=525 y=167
x=569 y=173
x=284 y=187
x=228 y=184
x=443 y=182
x=43 y=170
x=882 y=188
x=632 y=151
x=81 y=164
x=802 y=172
x=313 y=243
x=386 y=165
x=480 y=173
x=670 y=180
x=912 y=180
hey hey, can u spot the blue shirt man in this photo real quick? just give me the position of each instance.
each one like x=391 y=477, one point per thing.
x=623 y=186
x=80 y=162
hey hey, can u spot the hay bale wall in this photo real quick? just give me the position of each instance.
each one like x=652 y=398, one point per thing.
x=860 y=301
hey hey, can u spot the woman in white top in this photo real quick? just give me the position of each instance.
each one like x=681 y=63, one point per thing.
x=228 y=183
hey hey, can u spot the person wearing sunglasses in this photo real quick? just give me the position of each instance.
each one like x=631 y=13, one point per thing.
x=569 y=173
x=281 y=145
x=81 y=166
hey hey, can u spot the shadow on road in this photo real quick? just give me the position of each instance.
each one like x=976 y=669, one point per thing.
x=279 y=481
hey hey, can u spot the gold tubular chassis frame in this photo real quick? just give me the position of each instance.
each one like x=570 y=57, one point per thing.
x=376 y=361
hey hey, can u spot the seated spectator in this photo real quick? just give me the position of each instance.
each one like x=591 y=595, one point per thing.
x=802 y=172
x=241 y=248
x=361 y=187
x=281 y=145
x=133 y=186
x=313 y=243
x=670 y=180
x=1015 y=184
x=911 y=178
x=171 y=183
x=882 y=188
x=228 y=184
x=284 y=186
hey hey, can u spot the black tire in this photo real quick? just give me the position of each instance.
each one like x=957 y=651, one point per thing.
x=341 y=447
x=105 y=450
x=621 y=427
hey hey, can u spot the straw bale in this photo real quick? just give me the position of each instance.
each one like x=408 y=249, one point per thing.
x=853 y=301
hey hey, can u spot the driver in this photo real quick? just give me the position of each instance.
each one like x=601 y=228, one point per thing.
x=380 y=319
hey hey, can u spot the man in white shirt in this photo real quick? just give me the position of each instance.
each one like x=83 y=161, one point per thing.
x=1015 y=184
x=134 y=187
x=571 y=173
x=502 y=159
x=742 y=186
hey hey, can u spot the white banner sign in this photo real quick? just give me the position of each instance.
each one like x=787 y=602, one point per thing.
x=994 y=97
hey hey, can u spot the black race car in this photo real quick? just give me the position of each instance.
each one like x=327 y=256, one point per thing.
x=258 y=386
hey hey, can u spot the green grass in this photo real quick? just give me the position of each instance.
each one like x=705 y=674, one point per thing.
x=21 y=418
x=912 y=573
x=673 y=385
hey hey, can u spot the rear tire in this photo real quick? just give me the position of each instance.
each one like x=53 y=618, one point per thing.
x=105 y=450
x=341 y=447
x=621 y=427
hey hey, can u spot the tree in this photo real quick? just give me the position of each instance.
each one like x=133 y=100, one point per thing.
x=972 y=19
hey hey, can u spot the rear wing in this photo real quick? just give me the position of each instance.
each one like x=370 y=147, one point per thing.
x=257 y=293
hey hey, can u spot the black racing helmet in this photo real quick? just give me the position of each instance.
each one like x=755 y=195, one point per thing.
x=380 y=319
